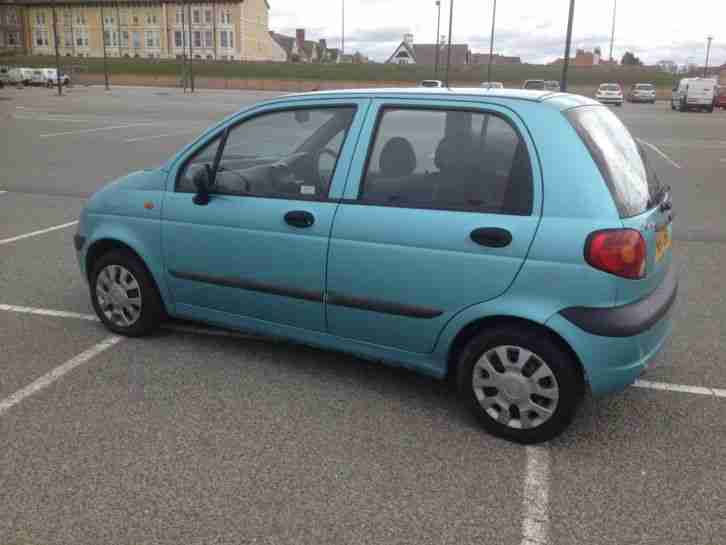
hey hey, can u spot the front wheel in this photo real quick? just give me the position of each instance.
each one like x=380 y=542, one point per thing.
x=124 y=294
x=520 y=384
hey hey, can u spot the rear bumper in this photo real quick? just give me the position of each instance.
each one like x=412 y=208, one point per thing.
x=609 y=100
x=641 y=99
x=615 y=344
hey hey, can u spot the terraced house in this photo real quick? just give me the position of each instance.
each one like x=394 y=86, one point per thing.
x=233 y=30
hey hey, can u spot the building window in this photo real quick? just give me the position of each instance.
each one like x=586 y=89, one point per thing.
x=153 y=40
x=67 y=39
x=179 y=16
x=82 y=38
x=136 y=39
x=197 y=38
x=179 y=39
x=13 y=38
x=123 y=17
x=210 y=58
x=151 y=19
x=41 y=38
x=124 y=38
x=196 y=16
x=80 y=19
x=226 y=39
x=208 y=39
x=67 y=17
x=40 y=19
x=108 y=20
x=225 y=17
x=208 y=16
x=111 y=38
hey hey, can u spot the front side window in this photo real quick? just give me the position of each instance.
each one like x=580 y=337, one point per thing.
x=290 y=154
x=448 y=159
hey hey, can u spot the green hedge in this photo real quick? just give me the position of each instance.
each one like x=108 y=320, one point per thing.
x=509 y=74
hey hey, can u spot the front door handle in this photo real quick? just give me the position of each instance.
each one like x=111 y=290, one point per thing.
x=494 y=237
x=299 y=218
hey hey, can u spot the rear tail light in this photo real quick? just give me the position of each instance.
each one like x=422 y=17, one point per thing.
x=621 y=252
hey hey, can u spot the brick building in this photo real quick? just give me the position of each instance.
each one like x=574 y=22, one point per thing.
x=219 y=30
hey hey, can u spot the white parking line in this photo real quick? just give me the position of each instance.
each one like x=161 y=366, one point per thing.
x=56 y=373
x=698 y=390
x=659 y=152
x=142 y=138
x=535 y=521
x=49 y=312
x=36 y=233
x=97 y=129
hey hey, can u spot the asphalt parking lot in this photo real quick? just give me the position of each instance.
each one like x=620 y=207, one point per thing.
x=198 y=436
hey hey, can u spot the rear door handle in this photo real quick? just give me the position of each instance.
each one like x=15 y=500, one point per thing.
x=495 y=237
x=299 y=218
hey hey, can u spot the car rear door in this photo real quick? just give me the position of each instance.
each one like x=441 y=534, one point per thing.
x=441 y=206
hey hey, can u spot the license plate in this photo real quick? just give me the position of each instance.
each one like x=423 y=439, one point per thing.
x=662 y=242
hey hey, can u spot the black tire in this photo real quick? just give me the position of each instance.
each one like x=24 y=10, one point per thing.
x=152 y=307
x=561 y=363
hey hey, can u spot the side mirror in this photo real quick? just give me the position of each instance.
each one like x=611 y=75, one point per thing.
x=302 y=116
x=202 y=179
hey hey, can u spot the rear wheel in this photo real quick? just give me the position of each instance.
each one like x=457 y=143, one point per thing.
x=520 y=384
x=124 y=294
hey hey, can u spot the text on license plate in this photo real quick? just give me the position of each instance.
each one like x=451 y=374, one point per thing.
x=662 y=242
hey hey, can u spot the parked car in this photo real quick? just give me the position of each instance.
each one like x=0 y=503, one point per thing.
x=534 y=84
x=51 y=77
x=431 y=83
x=690 y=93
x=552 y=85
x=4 y=75
x=642 y=92
x=412 y=228
x=721 y=97
x=609 y=93
x=492 y=85
x=21 y=76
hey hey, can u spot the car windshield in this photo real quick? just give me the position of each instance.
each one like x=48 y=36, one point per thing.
x=535 y=84
x=644 y=87
x=634 y=185
x=609 y=87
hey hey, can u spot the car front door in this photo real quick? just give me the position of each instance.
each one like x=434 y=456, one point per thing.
x=439 y=212
x=255 y=254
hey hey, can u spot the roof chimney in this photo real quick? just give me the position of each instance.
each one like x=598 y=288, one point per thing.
x=300 y=37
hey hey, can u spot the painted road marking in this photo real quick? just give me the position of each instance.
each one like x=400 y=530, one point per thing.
x=83 y=131
x=644 y=384
x=142 y=138
x=659 y=152
x=58 y=372
x=2 y=191
x=53 y=118
x=697 y=390
x=36 y=233
x=536 y=521
x=49 y=312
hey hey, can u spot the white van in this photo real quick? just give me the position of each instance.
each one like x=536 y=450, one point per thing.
x=51 y=77
x=20 y=75
x=693 y=93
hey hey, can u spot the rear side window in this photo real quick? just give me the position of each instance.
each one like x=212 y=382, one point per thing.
x=448 y=159
x=633 y=183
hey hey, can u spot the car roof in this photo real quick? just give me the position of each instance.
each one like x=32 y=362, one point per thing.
x=555 y=99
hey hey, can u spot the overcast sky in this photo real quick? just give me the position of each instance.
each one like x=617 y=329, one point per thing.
x=532 y=29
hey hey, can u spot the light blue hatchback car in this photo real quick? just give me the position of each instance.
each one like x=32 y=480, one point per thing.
x=517 y=241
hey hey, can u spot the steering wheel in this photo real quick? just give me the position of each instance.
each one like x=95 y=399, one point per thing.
x=324 y=182
x=246 y=185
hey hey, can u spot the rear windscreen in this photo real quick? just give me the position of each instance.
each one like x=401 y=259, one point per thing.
x=622 y=161
x=537 y=85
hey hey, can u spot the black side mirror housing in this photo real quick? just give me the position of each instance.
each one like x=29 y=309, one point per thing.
x=203 y=182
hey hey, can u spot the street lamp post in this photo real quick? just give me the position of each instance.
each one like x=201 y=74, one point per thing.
x=342 y=35
x=568 y=41
x=612 y=35
x=103 y=37
x=438 y=30
x=448 y=49
x=708 y=54
x=191 y=53
x=57 y=54
x=491 y=45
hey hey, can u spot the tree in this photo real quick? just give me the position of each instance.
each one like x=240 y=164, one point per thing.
x=629 y=59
